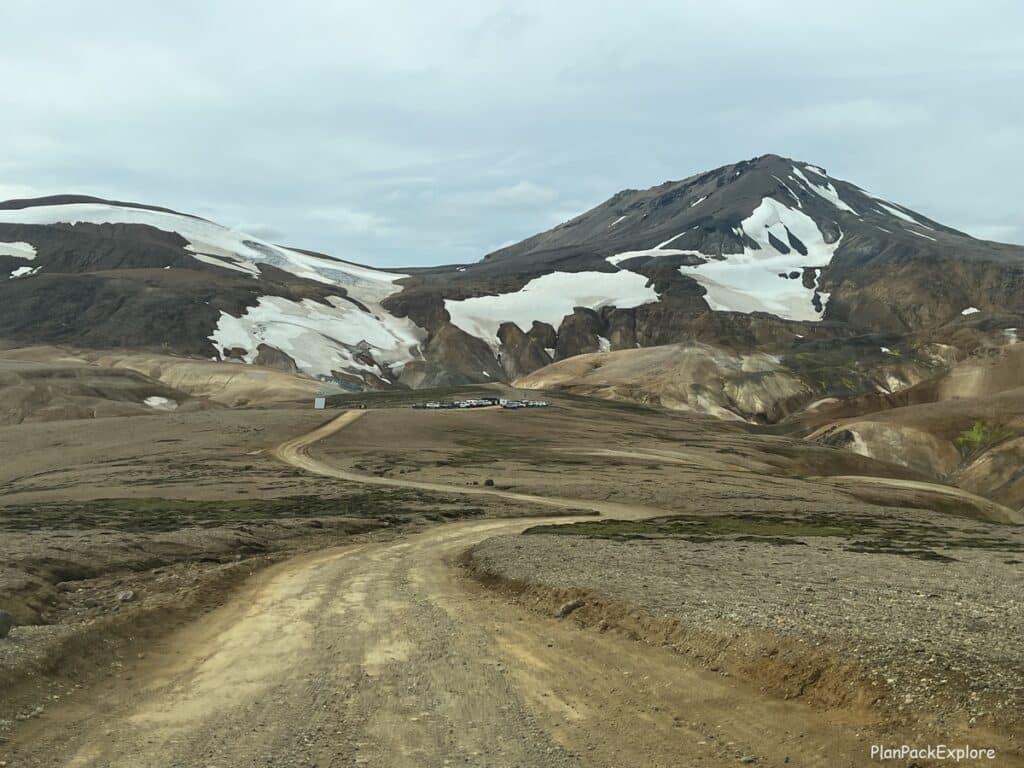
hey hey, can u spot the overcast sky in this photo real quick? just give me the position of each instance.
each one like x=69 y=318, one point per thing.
x=433 y=132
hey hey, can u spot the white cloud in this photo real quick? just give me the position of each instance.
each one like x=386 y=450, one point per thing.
x=1000 y=233
x=350 y=220
x=403 y=132
x=524 y=194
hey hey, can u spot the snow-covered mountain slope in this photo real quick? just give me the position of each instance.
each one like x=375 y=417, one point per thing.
x=770 y=235
x=776 y=272
x=756 y=255
x=322 y=337
x=547 y=299
x=341 y=330
x=211 y=244
x=18 y=250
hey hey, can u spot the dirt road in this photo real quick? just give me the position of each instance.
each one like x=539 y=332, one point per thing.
x=386 y=655
x=295 y=452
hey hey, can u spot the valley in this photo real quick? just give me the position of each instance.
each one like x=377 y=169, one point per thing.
x=770 y=515
x=699 y=559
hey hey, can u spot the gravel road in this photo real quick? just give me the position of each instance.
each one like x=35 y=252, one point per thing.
x=386 y=654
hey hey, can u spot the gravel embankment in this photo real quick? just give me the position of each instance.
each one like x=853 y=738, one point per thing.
x=942 y=636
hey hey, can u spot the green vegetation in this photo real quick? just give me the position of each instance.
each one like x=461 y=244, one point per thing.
x=698 y=527
x=837 y=372
x=158 y=514
x=980 y=438
x=854 y=533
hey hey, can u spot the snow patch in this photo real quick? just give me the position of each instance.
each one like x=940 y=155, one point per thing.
x=901 y=214
x=970 y=311
x=821 y=403
x=858 y=446
x=621 y=218
x=791 y=192
x=894 y=384
x=603 y=344
x=548 y=299
x=698 y=201
x=18 y=250
x=826 y=190
x=23 y=272
x=158 y=403
x=757 y=280
x=921 y=234
x=320 y=338
x=246 y=267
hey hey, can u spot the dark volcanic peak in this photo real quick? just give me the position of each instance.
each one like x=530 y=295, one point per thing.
x=767 y=235
x=716 y=203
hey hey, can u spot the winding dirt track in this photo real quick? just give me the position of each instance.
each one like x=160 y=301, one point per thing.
x=386 y=655
x=294 y=452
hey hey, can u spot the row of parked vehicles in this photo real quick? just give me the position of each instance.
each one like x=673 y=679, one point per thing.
x=481 y=402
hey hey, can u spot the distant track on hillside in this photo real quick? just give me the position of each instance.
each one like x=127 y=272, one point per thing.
x=295 y=452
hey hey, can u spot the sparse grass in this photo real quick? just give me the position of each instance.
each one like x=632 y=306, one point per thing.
x=685 y=526
x=843 y=369
x=863 y=533
x=837 y=373
x=160 y=514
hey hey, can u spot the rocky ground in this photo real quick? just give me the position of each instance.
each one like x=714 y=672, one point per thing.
x=82 y=598
x=116 y=534
x=914 y=615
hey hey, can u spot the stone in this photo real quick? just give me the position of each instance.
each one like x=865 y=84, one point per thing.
x=567 y=608
x=6 y=623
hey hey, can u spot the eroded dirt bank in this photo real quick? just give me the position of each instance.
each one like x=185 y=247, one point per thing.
x=864 y=620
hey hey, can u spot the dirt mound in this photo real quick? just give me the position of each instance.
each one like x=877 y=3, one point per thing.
x=225 y=383
x=991 y=371
x=965 y=426
x=47 y=385
x=973 y=442
x=700 y=378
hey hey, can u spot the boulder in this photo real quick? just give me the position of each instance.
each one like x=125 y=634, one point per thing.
x=6 y=623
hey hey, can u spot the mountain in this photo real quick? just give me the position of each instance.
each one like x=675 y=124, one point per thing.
x=768 y=255
x=103 y=274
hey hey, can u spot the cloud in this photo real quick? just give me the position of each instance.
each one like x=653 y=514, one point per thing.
x=1000 y=233
x=350 y=220
x=524 y=194
x=403 y=132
